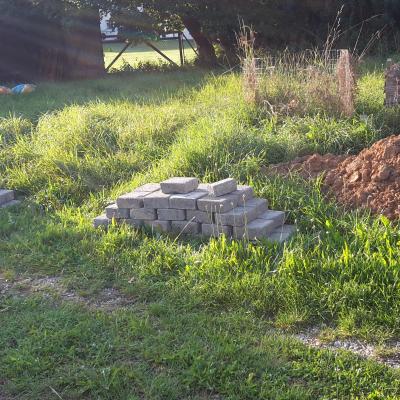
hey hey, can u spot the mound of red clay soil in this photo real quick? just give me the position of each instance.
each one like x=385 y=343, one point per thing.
x=370 y=179
x=309 y=166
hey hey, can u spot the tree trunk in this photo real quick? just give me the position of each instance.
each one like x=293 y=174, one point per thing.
x=207 y=56
x=83 y=48
x=34 y=48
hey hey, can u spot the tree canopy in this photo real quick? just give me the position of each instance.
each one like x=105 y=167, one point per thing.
x=278 y=23
x=50 y=39
x=40 y=26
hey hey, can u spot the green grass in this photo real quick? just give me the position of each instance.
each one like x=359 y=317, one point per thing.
x=142 y=54
x=203 y=315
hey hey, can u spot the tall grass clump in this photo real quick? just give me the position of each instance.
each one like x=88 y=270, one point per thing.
x=303 y=84
x=85 y=149
x=13 y=127
x=309 y=82
x=247 y=54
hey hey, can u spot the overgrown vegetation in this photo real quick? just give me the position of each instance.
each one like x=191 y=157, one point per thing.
x=202 y=312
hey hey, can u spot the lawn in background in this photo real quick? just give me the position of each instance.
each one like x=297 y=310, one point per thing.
x=201 y=317
x=142 y=53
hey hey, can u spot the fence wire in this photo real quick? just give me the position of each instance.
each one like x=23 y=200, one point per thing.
x=293 y=62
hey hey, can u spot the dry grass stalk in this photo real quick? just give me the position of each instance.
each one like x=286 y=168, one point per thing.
x=246 y=41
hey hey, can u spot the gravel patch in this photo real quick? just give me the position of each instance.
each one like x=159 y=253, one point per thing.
x=108 y=299
x=388 y=354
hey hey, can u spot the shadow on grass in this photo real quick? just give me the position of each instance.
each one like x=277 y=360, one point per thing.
x=136 y=87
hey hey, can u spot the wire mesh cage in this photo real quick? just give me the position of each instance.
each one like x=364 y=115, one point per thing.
x=324 y=60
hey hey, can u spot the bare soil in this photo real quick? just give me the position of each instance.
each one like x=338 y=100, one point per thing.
x=369 y=180
x=109 y=299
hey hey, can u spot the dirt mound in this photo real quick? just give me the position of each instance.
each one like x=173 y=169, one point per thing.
x=309 y=166
x=370 y=179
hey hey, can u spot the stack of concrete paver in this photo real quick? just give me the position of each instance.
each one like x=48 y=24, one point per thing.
x=7 y=198
x=183 y=206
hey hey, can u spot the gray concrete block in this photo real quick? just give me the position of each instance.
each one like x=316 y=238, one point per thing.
x=131 y=200
x=162 y=226
x=101 y=220
x=244 y=193
x=147 y=214
x=277 y=216
x=185 y=227
x=257 y=229
x=169 y=214
x=112 y=211
x=239 y=216
x=134 y=223
x=12 y=203
x=213 y=230
x=217 y=204
x=156 y=200
x=282 y=234
x=203 y=186
x=134 y=199
x=6 y=196
x=223 y=187
x=201 y=217
x=260 y=204
x=186 y=201
x=179 y=185
x=148 y=187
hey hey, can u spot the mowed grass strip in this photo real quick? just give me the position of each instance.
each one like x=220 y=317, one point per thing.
x=218 y=298
x=159 y=351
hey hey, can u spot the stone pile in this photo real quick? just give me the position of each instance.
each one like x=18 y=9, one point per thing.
x=7 y=198
x=183 y=206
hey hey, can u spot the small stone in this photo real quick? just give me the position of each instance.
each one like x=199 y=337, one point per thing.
x=282 y=234
x=213 y=230
x=162 y=226
x=186 y=201
x=179 y=185
x=392 y=151
x=223 y=187
x=355 y=177
x=169 y=214
x=156 y=200
x=185 y=227
x=383 y=173
x=112 y=211
x=6 y=196
x=147 y=214
x=101 y=220
x=366 y=175
x=201 y=217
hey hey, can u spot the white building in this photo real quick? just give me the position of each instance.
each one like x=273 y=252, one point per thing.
x=108 y=32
